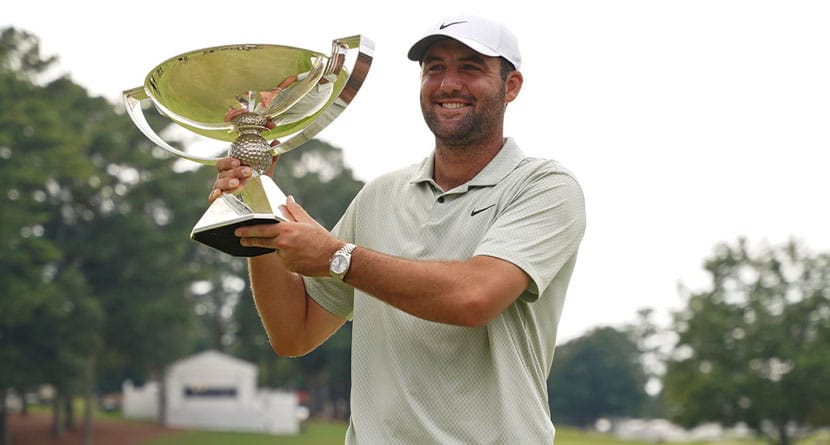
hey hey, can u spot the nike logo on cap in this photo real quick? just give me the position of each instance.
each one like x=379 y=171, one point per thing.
x=447 y=25
x=476 y=212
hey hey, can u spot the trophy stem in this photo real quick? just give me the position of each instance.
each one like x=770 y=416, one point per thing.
x=259 y=201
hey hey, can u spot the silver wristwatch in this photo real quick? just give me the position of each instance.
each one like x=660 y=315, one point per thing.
x=340 y=261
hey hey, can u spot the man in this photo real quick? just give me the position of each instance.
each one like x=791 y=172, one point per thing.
x=453 y=271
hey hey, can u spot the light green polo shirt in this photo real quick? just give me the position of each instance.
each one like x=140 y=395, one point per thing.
x=421 y=382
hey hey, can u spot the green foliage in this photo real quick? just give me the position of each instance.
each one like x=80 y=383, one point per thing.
x=597 y=375
x=49 y=323
x=20 y=54
x=94 y=261
x=754 y=348
x=97 y=266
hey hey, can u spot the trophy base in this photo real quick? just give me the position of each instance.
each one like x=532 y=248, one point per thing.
x=258 y=202
x=222 y=238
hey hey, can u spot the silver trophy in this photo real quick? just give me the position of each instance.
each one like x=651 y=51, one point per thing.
x=250 y=95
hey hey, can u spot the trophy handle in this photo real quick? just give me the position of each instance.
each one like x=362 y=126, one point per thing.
x=365 y=52
x=133 y=99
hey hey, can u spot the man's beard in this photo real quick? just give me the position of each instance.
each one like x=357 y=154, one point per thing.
x=473 y=128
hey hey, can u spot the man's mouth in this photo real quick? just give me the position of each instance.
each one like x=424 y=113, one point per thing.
x=453 y=101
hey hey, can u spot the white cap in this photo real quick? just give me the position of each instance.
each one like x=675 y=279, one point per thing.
x=482 y=35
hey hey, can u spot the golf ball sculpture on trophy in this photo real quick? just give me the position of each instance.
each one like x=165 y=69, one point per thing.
x=250 y=95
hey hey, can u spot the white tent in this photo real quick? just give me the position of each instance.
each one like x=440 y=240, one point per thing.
x=211 y=390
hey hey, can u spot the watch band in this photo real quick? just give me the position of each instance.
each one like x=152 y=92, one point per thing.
x=341 y=261
x=346 y=249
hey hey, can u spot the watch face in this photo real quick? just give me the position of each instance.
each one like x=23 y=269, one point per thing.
x=339 y=264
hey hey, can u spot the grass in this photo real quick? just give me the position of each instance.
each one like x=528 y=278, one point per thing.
x=314 y=433
x=573 y=436
x=324 y=433
x=333 y=433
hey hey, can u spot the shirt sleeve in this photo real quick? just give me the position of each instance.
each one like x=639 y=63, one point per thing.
x=540 y=228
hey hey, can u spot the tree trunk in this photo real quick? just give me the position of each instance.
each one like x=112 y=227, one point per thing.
x=4 y=418
x=24 y=404
x=57 y=425
x=69 y=413
x=783 y=437
x=89 y=403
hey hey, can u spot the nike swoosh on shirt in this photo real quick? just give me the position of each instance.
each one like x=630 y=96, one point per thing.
x=476 y=212
x=447 y=25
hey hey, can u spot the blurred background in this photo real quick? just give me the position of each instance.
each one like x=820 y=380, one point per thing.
x=699 y=131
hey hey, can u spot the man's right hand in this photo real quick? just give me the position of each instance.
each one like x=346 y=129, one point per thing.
x=233 y=175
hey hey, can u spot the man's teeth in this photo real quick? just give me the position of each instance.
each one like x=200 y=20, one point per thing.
x=453 y=105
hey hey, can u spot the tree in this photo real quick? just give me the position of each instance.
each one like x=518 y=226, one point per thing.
x=654 y=343
x=754 y=347
x=94 y=235
x=49 y=330
x=597 y=375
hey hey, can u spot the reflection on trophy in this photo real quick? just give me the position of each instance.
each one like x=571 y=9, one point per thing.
x=250 y=95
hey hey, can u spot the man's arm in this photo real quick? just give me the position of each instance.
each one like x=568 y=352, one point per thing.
x=466 y=293
x=294 y=322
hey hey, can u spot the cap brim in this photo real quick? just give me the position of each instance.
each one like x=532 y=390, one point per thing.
x=416 y=52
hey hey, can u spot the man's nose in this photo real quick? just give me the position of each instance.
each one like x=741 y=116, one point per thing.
x=451 y=81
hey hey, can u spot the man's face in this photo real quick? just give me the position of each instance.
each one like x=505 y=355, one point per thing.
x=462 y=93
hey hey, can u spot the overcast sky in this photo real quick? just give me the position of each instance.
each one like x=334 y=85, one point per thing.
x=687 y=122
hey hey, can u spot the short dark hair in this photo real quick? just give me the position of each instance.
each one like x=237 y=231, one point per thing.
x=506 y=68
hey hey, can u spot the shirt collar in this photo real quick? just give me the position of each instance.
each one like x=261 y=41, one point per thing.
x=500 y=166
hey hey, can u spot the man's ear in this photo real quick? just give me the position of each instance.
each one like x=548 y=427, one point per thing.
x=513 y=85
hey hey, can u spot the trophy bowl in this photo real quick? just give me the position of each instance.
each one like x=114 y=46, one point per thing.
x=250 y=95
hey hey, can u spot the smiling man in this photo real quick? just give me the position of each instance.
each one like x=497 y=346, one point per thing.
x=453 y=271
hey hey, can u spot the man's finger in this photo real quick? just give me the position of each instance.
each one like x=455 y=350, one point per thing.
x=227 y=164
x=259 y=231
x=296 y=211
x=215 y=193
